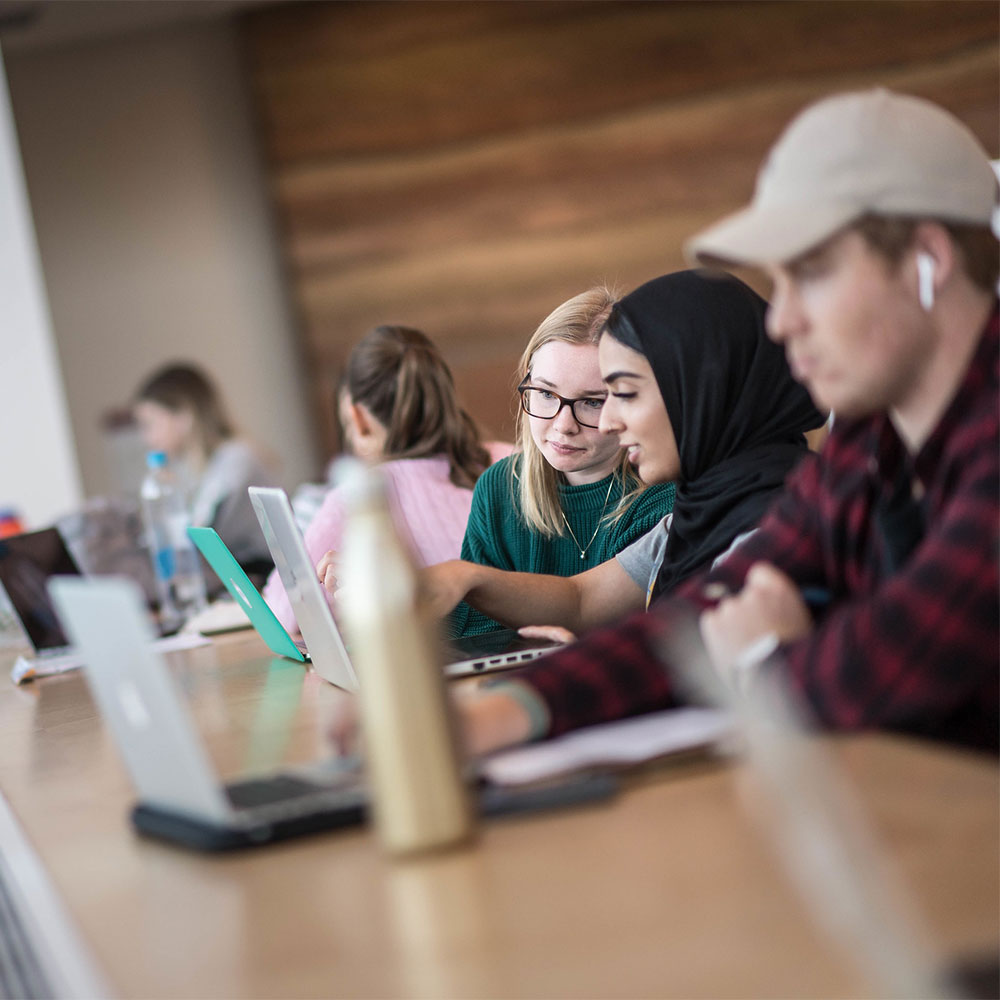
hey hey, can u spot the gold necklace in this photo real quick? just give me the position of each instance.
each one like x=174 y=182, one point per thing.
x=584 y=550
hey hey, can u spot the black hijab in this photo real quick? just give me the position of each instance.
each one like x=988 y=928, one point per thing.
x=737 y=413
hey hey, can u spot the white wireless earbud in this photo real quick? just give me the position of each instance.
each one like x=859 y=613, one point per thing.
x=925 y=280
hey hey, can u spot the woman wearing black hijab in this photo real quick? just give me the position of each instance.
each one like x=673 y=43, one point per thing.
x=736 y=413
x=707 y=401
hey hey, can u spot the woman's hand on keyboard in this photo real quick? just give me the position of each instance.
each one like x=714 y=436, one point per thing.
x=555 y=633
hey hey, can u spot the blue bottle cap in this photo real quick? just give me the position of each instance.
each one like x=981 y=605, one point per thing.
x=156 y=459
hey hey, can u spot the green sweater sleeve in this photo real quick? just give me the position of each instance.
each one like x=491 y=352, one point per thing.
x=493 y=505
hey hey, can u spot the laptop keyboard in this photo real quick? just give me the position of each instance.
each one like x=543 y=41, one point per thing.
x=284 y=797
x=52 y=652
x=269 y=791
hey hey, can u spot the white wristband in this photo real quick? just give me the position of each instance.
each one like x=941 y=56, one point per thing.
x=753 y=655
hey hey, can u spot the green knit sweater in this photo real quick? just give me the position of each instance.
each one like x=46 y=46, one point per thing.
x=497 y=534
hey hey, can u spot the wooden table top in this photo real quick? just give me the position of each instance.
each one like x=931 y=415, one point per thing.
x=669 y=890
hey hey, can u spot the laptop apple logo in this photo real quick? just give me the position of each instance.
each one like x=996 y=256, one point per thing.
x=236 y=587
x=132 y=705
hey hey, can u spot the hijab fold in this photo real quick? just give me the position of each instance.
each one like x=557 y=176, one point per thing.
x=738 y=415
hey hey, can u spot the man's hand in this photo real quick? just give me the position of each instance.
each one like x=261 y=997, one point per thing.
x=768 y=604
x=486 y=720
x=489 y=720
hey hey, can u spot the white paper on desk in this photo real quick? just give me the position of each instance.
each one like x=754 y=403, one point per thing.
x=630 y=741
x=222 y=616
x=27 y=668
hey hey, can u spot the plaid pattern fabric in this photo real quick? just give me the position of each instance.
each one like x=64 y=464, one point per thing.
x=915 y=650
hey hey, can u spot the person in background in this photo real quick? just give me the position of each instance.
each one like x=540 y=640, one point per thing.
x=698 y=395
x=871 y=584
x=569 y=499
x=399 y=409
x=180 y=411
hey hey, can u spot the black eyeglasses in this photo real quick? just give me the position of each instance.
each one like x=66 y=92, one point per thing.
x=546 y=404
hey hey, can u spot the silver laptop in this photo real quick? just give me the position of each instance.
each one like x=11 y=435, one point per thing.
x=180 y=794
x=181 y=798
x=305 y=593
x=26 y=563
x=464 y=657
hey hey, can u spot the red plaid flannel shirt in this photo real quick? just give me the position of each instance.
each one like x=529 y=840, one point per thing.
x=915 y=651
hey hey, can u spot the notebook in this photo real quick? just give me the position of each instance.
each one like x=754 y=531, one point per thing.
x=465 y=656
x=181 y=797
x=246 y=595
x=27 y=563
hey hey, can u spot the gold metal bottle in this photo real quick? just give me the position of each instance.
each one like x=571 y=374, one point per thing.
x=414 y=766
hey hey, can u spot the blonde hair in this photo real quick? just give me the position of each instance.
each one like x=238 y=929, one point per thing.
x=401 y=377
x=578 y=321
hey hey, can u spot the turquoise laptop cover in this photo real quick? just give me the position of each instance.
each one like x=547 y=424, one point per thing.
x=229 y=571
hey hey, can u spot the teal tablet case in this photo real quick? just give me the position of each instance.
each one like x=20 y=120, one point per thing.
x=229 y=571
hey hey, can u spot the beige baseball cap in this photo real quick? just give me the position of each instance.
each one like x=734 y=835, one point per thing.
x=843 y=157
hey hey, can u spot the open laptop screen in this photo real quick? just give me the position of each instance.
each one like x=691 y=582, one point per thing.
x=26 y=563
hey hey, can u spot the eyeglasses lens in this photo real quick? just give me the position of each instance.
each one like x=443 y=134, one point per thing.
x=544 y=404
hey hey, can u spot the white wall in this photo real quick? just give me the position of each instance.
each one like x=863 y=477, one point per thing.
x=39 y=477
x=155 y=233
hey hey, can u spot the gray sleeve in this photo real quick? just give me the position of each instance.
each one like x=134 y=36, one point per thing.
x=221 y=499
x=641 y=560
x=737 y=541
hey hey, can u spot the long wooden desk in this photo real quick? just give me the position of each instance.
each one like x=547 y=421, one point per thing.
x=669 y=891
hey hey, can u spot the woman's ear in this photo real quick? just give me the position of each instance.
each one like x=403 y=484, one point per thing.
x=364 y=423
x=353 y=418
x=365 y=431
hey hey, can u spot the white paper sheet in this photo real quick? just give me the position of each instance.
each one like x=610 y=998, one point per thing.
x=630 y=741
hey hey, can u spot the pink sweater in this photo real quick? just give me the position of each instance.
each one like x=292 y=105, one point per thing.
x=430 y=512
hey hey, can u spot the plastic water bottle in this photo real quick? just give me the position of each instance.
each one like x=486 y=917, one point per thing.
x=179 y=581
x=420 y=800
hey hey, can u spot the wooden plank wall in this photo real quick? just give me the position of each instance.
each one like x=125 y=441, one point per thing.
x=463 y=167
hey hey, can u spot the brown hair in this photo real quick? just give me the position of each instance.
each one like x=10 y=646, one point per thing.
x=580 y=320
x=178 y=387
x=977 y=245
x=400 y=376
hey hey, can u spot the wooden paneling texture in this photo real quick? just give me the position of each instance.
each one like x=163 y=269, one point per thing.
x=464 y=167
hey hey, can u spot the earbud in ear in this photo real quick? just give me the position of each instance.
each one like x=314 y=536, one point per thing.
x=925 y=280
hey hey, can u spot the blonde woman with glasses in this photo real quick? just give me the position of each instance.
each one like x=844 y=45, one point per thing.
x=568 y=499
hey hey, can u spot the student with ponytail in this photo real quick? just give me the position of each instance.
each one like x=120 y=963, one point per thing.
x=398 y=409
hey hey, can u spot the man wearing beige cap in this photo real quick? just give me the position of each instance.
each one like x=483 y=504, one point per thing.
x=872 y=216
x=872 y=582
